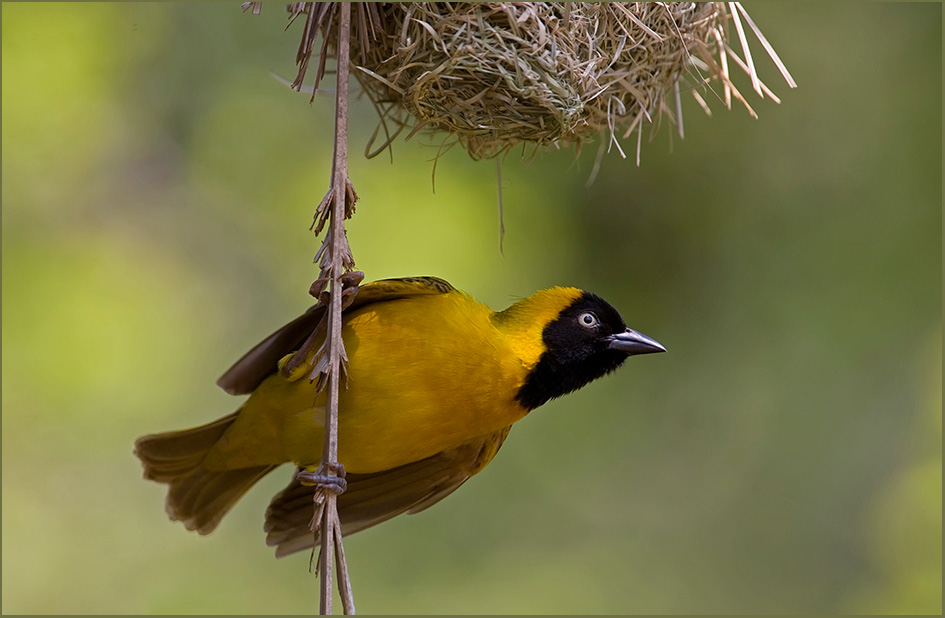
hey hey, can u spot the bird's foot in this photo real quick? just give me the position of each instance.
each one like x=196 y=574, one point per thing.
x=328 y=479
x=349 y=288
x=332 y=483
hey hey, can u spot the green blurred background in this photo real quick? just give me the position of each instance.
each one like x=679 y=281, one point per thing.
x=784 y=457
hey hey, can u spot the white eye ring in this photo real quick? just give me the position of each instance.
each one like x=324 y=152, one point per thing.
x=588 y=320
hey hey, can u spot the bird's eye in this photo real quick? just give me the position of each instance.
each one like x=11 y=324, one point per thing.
x=588 y=320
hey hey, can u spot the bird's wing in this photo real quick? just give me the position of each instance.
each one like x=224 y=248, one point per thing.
x=257 y=364
x=373 y=498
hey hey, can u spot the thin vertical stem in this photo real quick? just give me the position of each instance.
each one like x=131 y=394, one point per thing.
x=344 y=582
x=339 y=181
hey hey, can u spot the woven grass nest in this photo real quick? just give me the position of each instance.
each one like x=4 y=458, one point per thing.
x=499 y=74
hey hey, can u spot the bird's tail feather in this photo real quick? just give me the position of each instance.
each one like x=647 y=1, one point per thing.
x=196 y=496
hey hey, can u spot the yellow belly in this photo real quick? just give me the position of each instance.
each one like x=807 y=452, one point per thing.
x=425 y=374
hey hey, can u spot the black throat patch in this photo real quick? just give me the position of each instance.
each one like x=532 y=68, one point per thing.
x=575 y=354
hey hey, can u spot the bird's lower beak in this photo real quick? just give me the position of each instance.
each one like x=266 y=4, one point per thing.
x=631 y=342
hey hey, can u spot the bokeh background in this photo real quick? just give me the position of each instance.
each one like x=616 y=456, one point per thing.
x=784 y=457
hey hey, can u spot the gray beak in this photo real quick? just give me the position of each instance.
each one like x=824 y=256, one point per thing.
x=631 y=342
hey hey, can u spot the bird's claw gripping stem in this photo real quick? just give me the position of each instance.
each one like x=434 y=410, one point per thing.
x=335 y=483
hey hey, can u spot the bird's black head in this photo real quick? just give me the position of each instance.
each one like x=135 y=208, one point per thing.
x=587 y=340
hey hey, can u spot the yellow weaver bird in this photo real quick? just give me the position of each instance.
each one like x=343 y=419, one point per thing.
x=435 y=382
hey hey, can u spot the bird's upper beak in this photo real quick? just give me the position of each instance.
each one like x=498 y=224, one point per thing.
x=631 y=342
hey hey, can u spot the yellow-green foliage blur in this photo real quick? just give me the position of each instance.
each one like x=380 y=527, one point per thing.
x=784 y=456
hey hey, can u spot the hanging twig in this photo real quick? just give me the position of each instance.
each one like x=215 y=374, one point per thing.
x=338 y=252
x=334 y=258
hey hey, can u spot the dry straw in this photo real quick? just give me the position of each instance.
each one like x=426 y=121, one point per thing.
x=499 y=74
